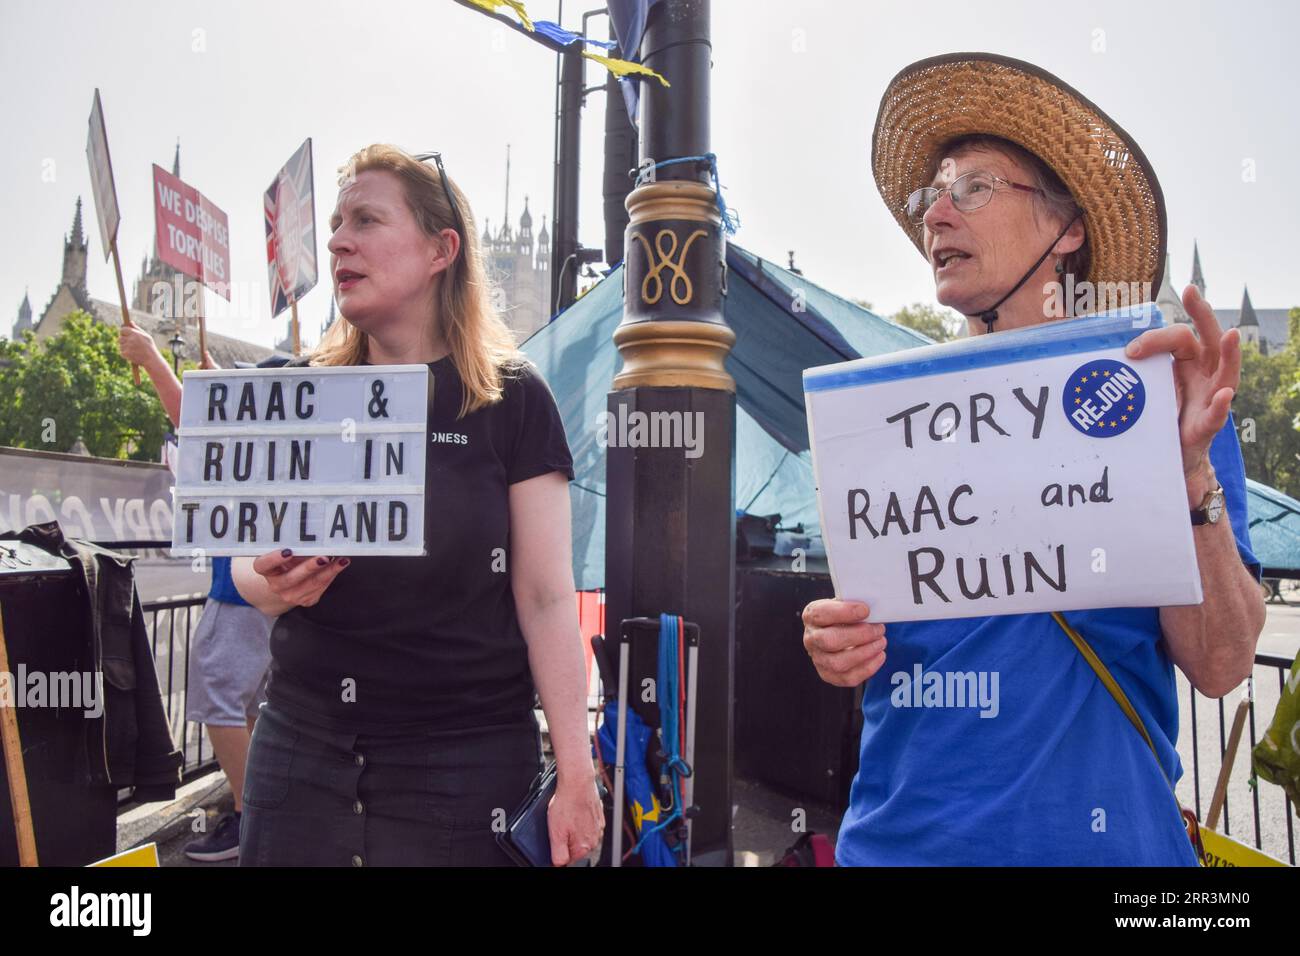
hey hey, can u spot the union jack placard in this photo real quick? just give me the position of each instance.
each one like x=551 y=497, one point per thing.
x=291 y=231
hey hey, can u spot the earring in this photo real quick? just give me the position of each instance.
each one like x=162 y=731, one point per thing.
x=1060 y=266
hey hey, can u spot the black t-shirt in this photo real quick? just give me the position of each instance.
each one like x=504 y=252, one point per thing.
x=399 y=644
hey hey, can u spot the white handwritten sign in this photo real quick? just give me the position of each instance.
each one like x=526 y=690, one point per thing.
x=327 y=460
x=1032 y=470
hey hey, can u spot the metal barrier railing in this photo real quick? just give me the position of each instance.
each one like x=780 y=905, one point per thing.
x=171 y=625
x=1273 y=830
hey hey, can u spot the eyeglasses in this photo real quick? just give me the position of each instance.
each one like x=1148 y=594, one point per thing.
x=455 y=210
x=968 y=192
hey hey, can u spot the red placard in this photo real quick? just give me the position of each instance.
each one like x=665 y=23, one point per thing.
x=193 y=234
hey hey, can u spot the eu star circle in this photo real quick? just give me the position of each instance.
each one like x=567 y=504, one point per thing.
x=1103 y=398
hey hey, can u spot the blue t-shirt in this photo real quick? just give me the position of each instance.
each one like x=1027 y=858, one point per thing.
x=1055 y=774
x=223 y=585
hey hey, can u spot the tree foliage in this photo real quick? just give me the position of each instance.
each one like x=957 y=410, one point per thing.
x=77 y=385
x=1267 y=413
x=941 y=325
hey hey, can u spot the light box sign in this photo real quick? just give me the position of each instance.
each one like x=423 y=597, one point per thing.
x=327 y=460
x=1031 y=470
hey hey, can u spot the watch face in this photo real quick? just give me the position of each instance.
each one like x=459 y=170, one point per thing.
x=1214 y=510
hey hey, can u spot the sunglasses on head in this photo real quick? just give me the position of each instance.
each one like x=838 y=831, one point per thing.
x=446 y=187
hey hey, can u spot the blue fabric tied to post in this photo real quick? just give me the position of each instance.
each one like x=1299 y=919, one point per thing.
x=670 y=717
x=638 y=788
x=730 y=219
x=650 y=816
x=567 y=37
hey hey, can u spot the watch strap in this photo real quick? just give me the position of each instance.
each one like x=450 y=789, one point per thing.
x=1201 y=515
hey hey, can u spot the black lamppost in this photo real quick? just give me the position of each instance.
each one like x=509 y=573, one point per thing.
x=178 y=349
x=670 y=516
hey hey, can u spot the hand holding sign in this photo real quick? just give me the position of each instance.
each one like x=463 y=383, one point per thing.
x=136 y=345
x=1207 y=372
x=845 y=648
x=298 y=580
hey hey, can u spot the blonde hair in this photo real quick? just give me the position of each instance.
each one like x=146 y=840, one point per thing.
x=483 y=348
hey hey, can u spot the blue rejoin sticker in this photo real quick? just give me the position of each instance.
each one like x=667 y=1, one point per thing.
x=1103 y=398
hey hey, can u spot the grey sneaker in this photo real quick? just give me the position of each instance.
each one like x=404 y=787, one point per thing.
x=221 y=844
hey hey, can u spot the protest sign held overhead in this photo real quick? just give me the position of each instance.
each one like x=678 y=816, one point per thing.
x=1035 y=470
x=107 y=211
x=101 y=178
x=326 y=460
x=193 y=234
x=291 y=231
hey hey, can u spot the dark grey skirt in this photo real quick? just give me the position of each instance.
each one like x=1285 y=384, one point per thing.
x=315 y=797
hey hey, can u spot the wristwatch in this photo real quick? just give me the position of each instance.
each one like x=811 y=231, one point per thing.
x=1211 y=509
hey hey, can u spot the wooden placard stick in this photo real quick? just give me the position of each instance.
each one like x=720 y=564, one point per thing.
x=1229 y=755
x=15 y=771
x=203 y=331
x=121 y=297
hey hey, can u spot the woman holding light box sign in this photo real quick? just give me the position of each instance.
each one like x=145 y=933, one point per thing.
x=1013 y=185
x=399 y=727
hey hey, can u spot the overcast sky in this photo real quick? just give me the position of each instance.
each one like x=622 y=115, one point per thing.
x=1209 y=90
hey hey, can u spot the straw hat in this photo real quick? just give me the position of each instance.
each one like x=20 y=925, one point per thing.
x=936 y=99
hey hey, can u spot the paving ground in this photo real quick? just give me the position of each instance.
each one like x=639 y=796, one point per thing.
x=172 y=825
x=764 y=823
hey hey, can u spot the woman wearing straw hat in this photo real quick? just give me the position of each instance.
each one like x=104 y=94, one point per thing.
x=1011 y=184
x=399 y=727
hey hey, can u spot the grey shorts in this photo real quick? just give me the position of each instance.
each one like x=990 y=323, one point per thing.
x=230 y=655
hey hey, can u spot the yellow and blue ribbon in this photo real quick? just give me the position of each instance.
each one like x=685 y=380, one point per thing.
x=557 y=34
x=516 y=5
x=625 y=67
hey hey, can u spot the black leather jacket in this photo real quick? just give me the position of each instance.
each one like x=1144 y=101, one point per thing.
x=129 y=744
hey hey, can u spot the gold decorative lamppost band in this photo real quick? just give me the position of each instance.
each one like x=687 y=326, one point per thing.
x=673 y=332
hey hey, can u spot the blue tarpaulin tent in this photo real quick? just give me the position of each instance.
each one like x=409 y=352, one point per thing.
x=783 y=324
x=1274 y=529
